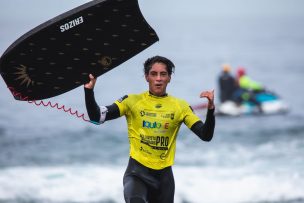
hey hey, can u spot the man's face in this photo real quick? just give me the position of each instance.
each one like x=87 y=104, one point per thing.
x=158 y=79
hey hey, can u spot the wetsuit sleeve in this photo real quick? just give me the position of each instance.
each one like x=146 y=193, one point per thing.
x=205 y=130
x=113 y=112
x=94 y=110
x=91 y=105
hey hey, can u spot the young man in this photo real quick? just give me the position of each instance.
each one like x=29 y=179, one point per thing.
x=154 y=119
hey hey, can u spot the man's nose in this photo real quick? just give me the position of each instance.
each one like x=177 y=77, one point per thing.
x=158 y=77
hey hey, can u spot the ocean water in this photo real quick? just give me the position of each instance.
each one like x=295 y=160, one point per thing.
x=49 y=156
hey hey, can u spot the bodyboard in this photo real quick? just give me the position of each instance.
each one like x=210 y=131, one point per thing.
x=58 y=55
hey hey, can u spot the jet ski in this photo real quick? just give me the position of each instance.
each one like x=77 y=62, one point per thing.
x=270 y=103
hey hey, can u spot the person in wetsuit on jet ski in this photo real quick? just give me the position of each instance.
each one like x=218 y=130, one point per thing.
x=248 y=88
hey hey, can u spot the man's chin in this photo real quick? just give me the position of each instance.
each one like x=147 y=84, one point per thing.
x=158 y=92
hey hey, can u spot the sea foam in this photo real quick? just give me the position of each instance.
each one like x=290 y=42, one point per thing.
x=93 y=183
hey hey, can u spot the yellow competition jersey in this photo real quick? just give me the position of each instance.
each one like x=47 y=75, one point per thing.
x=153 y=124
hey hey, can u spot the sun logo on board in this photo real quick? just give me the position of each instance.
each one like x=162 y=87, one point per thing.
x=23 y=76
x=105 y=61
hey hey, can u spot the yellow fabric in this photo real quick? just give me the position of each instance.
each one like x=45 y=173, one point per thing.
x=153 y=124
x=246 y=83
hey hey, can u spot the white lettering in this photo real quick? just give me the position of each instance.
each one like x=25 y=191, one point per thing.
x=71 y=24
x=80 y=19
x=66 y=26
x=62 y=28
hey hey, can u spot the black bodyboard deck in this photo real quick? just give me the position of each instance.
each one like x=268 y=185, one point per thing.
x=58 y=55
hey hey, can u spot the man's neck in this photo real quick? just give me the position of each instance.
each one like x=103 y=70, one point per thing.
x=163 y=95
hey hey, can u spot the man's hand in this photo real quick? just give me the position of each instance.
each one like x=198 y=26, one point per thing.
x=91 y=84
x=210 y=96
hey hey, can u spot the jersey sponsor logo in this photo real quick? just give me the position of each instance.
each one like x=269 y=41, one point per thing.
x=145 y=150
x=158 y=106
x=148 y=124
x=148 y=114
x=155 y=125
x=71 y=24
x=156 y=142
x=168 y=115
x=162 y=141
x=163 y=156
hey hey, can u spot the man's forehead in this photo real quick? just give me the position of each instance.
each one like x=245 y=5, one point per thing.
x=159 y=66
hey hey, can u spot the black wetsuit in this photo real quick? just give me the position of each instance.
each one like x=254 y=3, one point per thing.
x=227 y=86
x=142 y=184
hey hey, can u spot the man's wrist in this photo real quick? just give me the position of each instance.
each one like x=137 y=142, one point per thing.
x=211 y=106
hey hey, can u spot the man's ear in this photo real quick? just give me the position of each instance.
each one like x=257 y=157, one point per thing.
x=146 y=76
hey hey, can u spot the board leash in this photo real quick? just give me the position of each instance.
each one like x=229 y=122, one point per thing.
x=52 y=105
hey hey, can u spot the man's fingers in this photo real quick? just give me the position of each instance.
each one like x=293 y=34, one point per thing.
x=208 y=94
x=91 y=77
